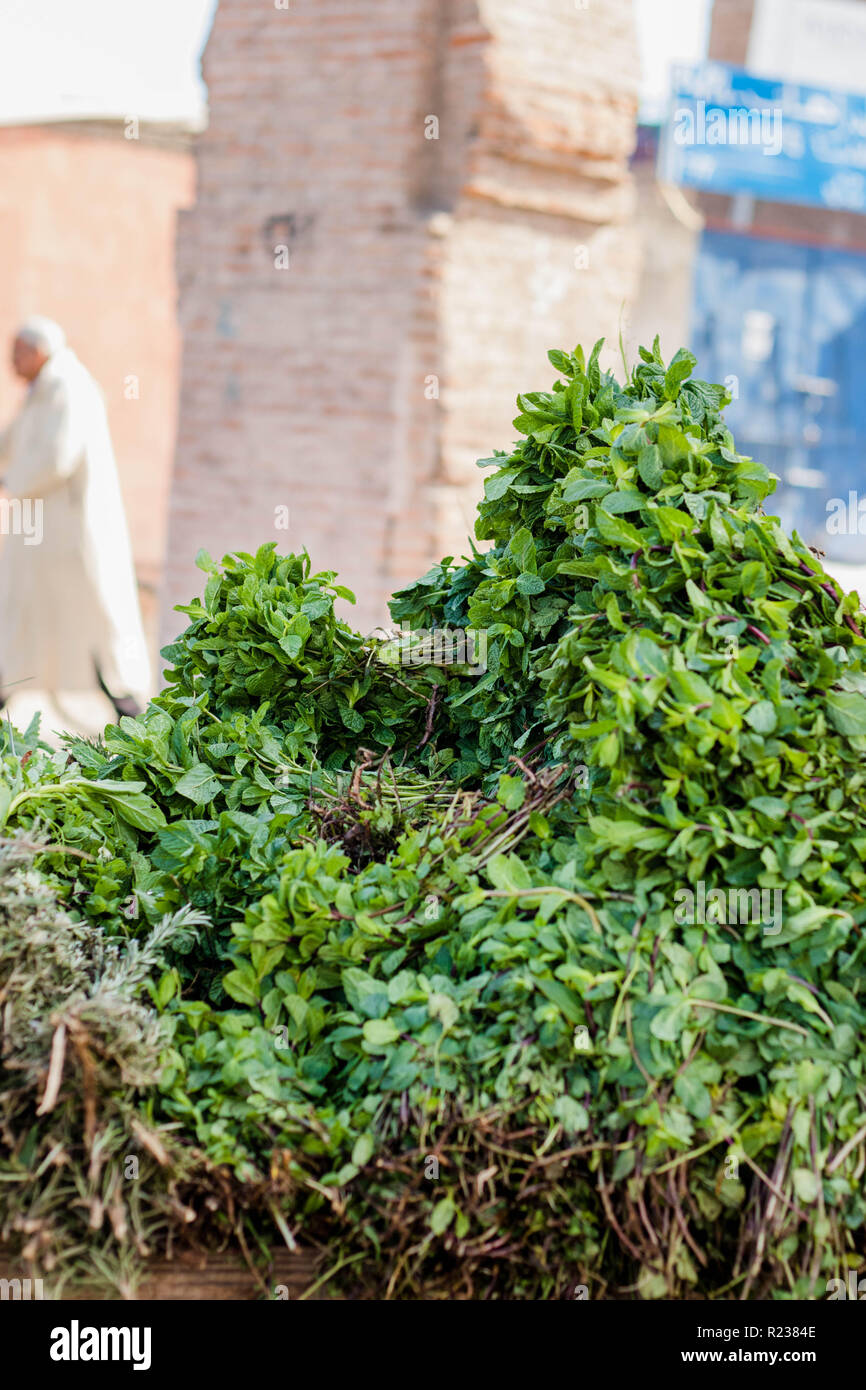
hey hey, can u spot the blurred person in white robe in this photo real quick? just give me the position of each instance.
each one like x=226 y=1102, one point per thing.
x=69 y=613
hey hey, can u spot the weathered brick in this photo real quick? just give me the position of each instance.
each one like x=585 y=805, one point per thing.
x=410 y=259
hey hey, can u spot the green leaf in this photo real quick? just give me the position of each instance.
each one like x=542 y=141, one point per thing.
x=682 y=365
x=806 y=1185
x=362 y=1150
x=497 y=485
x=241 y=985
x=771 y=806
x=847 y=712
x=649 y=467
x=138 y=809
x=561 y=362
x=564 y=999
x=443 y=1007
x=693 y=1094
x=442 y=1216
x=380 y=1032
x=616 y=531
x=762 y=717
x=669 y=1022
x=511 y=792
x=573 y=1116
x=198 y=784
x=508 y=873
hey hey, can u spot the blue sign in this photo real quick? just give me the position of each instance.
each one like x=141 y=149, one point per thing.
x=729 y=131
x=783 y=325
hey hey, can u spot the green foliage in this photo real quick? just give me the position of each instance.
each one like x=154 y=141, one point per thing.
x=635 y=993
x=264 y=639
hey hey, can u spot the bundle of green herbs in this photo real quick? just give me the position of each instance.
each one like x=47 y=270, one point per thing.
x=521 y=975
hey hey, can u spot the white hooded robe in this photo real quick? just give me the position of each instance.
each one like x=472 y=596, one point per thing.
x=69 y=602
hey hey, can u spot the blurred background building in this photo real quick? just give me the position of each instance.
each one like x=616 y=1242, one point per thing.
x=399 y=211
x=754 y=248
x=311 y=285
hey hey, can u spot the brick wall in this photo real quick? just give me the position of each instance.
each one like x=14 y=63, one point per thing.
x=427 y=276
x=729 y=30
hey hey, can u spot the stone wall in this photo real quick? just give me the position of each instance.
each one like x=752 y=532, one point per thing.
x=400 y=208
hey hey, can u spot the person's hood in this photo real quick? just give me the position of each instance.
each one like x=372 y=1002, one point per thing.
x=63 y=365
x=59 y=365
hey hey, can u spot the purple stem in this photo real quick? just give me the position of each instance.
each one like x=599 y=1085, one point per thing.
x=831 y=593
x=802 y=822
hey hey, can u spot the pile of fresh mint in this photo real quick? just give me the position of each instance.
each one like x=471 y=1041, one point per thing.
x=540 y=972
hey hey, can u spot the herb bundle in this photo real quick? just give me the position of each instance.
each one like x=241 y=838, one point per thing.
x=511 y=980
